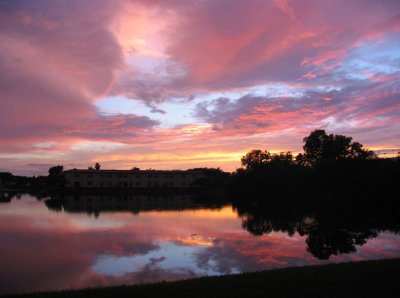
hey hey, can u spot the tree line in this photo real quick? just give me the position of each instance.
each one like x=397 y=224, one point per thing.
x=329 y=163
x=319 y=149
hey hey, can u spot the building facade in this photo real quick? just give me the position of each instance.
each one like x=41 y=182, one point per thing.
x=131 y=178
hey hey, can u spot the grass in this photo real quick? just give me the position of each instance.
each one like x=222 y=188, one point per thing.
x=359 y=279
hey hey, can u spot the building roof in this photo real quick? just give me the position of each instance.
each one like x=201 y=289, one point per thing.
x=130 y=171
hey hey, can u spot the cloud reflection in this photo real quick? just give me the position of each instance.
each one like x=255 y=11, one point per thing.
x=42 y=250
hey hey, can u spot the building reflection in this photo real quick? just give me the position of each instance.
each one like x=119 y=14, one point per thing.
x=96 y=204
x=329 y=231
x=174 y=237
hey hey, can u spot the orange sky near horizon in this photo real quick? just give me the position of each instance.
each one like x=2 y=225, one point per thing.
x=181 y=84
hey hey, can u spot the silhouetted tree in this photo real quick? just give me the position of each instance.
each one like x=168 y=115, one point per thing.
x=55 y=178
x=329 y=162
x=357 y=151
x=56 y=170
x=207 y=170
x=301 y=160
x=320 y=148
x=283 y=158
x=213 y=177
x=255 y=159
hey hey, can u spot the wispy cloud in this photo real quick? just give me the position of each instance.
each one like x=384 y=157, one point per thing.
x=338 y=61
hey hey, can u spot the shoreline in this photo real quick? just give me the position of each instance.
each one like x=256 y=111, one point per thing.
x=378 y=278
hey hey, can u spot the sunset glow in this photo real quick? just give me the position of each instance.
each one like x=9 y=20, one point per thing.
x=121 y=247
x=182 y=84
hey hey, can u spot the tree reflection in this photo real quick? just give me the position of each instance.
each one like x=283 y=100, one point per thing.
x=330 y=230
x=332 y=225
x=5 y=197
x=324 y=243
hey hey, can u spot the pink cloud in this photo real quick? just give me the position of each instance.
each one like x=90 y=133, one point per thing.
x=259 y=43
x=57 y=59
x=52 y=69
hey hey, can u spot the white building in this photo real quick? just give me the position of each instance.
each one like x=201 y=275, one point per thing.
x=131 y=178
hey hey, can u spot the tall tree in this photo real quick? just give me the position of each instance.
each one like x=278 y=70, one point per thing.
x=55 y=171
x=320 y=148
x=255 y=159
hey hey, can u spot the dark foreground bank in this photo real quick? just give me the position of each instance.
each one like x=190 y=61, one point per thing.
x=361 y=279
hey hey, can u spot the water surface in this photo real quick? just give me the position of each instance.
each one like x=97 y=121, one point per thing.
x=92 y=240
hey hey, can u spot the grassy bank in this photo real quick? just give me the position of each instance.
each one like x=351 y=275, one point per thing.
x=361 y=279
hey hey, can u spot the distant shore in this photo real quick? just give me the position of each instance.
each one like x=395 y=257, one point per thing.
x=358 y=279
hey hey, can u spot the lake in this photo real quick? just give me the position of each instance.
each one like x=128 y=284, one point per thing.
x=85 y=241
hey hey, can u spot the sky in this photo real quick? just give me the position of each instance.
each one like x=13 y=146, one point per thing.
x=180 y=84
